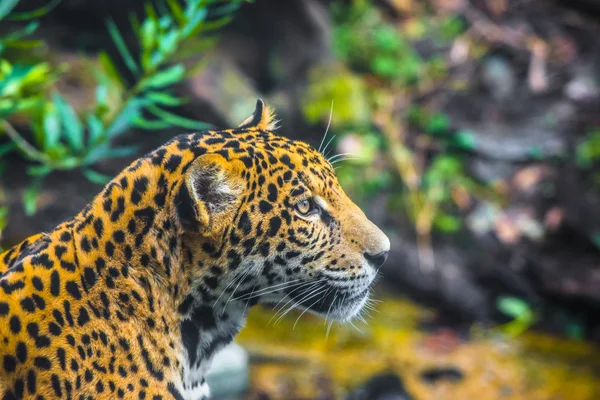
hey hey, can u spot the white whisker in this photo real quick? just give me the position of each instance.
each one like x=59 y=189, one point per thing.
x=327 y=129
x=248 y=301
x=305 y=310
x=310 y=284
x=335 y=156
x=315 y=292
x=341 y=160
x=269 y=289
x=247 y=273
x=326 y=145
x=328 y=311
x=354 y=326
x=233 y=281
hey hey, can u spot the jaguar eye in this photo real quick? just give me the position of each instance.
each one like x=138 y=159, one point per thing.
x=306 y=207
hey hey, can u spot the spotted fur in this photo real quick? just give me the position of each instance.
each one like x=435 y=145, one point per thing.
x=133 y=296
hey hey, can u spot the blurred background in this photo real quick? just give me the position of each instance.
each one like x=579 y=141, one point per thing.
x=475 y=137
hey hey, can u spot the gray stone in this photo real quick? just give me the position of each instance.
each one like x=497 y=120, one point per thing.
x=499 y=77
x=228 y=376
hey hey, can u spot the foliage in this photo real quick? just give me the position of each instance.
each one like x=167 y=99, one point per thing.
x=588 y=150
x=438 y=126
x=365 y=42
x=380 y=63
x=587 y=156
x=63 y=138
x=348 y=91
x=522 y=314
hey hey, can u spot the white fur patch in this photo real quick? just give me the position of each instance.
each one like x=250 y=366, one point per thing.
x=321 y=202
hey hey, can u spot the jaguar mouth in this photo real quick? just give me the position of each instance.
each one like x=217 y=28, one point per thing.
x=333 y=303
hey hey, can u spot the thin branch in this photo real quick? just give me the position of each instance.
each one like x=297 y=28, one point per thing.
x=24 y=145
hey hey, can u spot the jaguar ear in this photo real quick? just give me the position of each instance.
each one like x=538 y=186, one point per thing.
x=213 y=186
x=263 y=118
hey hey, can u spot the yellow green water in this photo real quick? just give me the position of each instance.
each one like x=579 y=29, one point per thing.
x=530 y=366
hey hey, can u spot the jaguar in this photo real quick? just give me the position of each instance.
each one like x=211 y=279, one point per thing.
x=133 y=296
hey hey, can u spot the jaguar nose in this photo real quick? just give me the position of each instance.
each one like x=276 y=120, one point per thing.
x=376 y=260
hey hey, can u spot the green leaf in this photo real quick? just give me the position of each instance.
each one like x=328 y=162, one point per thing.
x=24 y=44
x=18 y=34
x=124 y=119
x=151 y=12
x=96 y=177
x=135 y=22
x=6 y=148
x=70 y=162
x=70 y=122
x=588 y=151
x=513 y=307
x=447 y=166
x=451 y=27
x=6 y=6
x=104 y=151
x=51 y=124
x=167 y=44
x=109 y=68
x=123 y=151
x=166 y=77
x=165 y=22
x=177 y=120
x=193 y=25
x=216 y=24
x=122 y=47
x=465 y=140
x=95 y=129
x=191 y=6
x=143 y=123
x=225 y=9
x=437 y=123
x=176 y=11
x=163 y=99
x=38 y=170
x=448 y=223
x=30 y=196
x=38 y=134
x=3 y=219
x=386 y=38
x=575 y=331
x=148 y=34
x=386 y=67
x=97 y=153
x=37 y=13
x=101 y=95
x=535 y=152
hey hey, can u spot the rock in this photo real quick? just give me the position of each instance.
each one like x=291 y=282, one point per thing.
x=228 y=374
x=434 y=375
x=387 y=386
x=499 y=77
x=471 y=268
x=449 y=286
x=224 y=85
x=516 y=142
x=490 y=171
x=582 y=88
